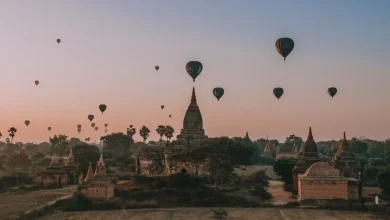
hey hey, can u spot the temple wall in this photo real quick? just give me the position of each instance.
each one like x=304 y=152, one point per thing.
x=98 y=192
x=317 y=189
x=353 y=192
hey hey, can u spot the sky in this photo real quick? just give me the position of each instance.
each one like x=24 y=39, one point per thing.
x=109 y=50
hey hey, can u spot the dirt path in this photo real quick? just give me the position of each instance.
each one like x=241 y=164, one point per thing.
x=206 y=213
x=14 y=203
x=280 y=196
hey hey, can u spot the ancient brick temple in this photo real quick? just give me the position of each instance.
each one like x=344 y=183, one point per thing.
x=308 y=157
x=268 y=151
x=345 y=160
x=189 y=136
x=97 y=185
x=53 y=177
x=70 y=168
x=322 y=182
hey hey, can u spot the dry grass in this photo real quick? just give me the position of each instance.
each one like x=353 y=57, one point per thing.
x=14 y=203
x=206 y=213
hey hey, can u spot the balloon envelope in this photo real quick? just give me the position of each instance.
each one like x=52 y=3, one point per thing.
x=92 y=124
x=194 y=68
x=78 y=126
x=157 y=67
x=105 y=125
x=79 y=130
x=49 y=128
x=170 y=116
x=102 y=107
x=218 y=92
x=96 y=128
x=332 y=91
x=284 y=46
x=278 y=92
x=91 y=117
x=162 y=106
x=58 y=40
x=105 y=130
x=27 y=122
x=36 y=82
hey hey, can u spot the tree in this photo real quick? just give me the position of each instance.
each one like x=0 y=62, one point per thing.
x=131 y=132
x=289 y=143
x=59 y=144
x=85 y=153
x=87 y=139
x=74 y=141
x=358 y=146
x=12 y=132
x=144 y=132
x=161 y=131
x=384 y=179
x=219 y=155
x=169 y=132
x=387 y=151
x=116 y=143
x=283 y=167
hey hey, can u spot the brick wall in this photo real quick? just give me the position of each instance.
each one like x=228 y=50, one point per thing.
x=322 y=190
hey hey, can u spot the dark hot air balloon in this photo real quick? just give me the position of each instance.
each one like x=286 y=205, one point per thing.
x=27 y=122
x=105 y=125
x=92 y=124
x=96 y=128
x=79 y=126
x=49 y=128
x=284 y=46
x=218 y=92
x=58 y=40
x=102 y=108
x=157 y=67
x=79 y=130
x=278 y=92
x=170 y=116
x=332 y=91
x=194 y=68
x=36 y=82
x=105 y=130
x=91 y=117
x=162 y=106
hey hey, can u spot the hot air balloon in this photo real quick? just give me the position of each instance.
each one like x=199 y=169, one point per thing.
x=58 y=40
x=92 y=124
x=170 y=116
x=162 y=106
x=278 y=92
x=105 y=130
x=96 y=128
x=36 y=82
x=157 y=67
x=105 y=125
x=79 y=126
x=91 y=117
x=79 y=130
x=194 y=68
x=218 y=92
x=102 y=108
x=284 y=46
x=332 y=91
x=49 y=128
x=27 y=122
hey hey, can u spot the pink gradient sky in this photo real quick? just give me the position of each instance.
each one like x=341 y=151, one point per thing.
x=108 y=53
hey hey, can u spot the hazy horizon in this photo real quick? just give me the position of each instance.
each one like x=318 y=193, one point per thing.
x=109 y=50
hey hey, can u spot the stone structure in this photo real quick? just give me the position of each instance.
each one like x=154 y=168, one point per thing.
x=293 y=153
x=97 y=185
x=53 y=177
x=70 y=168
x=308 y=157
x=149 y=159
x=267 y=154
x=345 y=160
x=322 y=182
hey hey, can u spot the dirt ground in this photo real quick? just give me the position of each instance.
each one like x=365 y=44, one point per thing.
x=252 y=169
x=14 y=203
x=206 y=213
x=280 y=196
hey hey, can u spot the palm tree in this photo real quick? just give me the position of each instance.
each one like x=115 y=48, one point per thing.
x=131 y=132
x=12 y=132
x=161 y=131
x=144 y=132
x=169 y=132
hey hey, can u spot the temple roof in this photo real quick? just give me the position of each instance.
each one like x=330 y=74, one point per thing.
x=310 y=145
x=54 y=161
x=344 y=155
x=89 y=175
x=193 y=117
x=321 y=169
x=268 y=147
x=70 y=158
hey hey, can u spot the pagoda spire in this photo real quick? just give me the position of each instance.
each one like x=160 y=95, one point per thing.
x=247 y=135
x=70 y=159
x=310 y=136
x=53 y=162
x=89 y=175
x=193 y=97
x=344 y=137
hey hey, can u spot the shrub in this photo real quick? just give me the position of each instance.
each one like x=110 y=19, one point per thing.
x=262 y=193
x=78 y=203
x=220 y=213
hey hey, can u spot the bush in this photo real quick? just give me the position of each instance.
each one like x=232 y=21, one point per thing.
x=220 y=213
x=262 y=193
x=78 y=203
